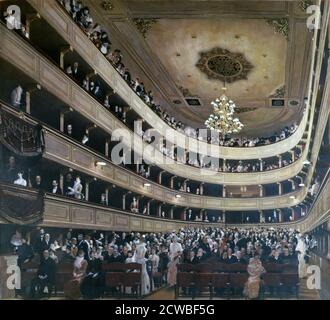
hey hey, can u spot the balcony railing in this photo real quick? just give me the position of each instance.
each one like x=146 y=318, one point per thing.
x=66 y=152
x=55 y=81
x=62 y=23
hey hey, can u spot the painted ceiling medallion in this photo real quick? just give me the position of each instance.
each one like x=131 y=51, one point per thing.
x=224 y=65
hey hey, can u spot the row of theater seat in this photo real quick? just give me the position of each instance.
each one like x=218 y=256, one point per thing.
x=231 y=285
x=235 y=267
x=118 y=277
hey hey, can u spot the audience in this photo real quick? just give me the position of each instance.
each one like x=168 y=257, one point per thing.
x=100 y=38
x=163 y=251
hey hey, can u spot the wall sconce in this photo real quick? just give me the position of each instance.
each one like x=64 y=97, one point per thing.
x=147 y=185
x=292 y=197
x=178 y=196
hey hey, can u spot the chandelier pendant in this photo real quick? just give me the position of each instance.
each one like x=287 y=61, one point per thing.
x=223 y=119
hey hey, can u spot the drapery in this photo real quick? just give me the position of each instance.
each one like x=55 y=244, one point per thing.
x=20 y=206
x=20 y=137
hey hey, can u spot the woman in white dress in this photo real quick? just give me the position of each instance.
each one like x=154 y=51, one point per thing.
x=154 y=258
x=139 y=257
x=76 y=191
x=301 y=250
x=175 y=253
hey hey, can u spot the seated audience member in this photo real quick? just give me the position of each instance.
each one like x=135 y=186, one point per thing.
x=134 y=206
x=74 y=72
x=25 y=253
x=16 y=98
x=76 y=190
x=274 y=257
x=56 y=188
x=45 y=276
x=11 y=170
x=37 y=183
x=20 y=181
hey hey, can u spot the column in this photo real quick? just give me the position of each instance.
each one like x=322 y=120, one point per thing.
x=172 y=213
x=160 y=176
x=224 y=217
x=107 y=148
x=279 y=188
x=159 y=210
x=224 y=165
x=224 y=193
x=201 y=189
x=261 y=191
x=293 y=185
x=280 y=216
x=172 y=182
x=293 y=156
x=261 y=165
x=30 y=89
x=124 y=201
x=107 y=195
x=30 y=17
x=148 y=207
x=62 y=121
x=279 y=161
x=292 y=214
x=87 y=191
x=63 y=52
x=261 y=217
x=185 y=185
x=61 y=182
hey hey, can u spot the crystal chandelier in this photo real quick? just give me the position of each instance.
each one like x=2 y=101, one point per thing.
x=223 y=118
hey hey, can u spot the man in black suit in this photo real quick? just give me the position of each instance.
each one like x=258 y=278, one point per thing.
x=38 y=184
x=55 y=188
x=25 y=253
x=85 y=246
x=45 y=275
x=74 y=72
x=192 y=259
x=231 y=258
x=274 y=257
x=45 y=244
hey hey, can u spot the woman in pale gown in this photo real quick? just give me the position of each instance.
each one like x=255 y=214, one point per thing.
x=72 y=288
x=255 y=270
x=154 y=258
x=139 y=257
x=175 y=253
x=301 y=250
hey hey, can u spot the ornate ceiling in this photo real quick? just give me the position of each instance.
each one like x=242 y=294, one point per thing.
x=185 y=49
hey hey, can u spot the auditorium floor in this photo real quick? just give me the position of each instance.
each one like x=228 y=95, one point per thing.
x=169 y=294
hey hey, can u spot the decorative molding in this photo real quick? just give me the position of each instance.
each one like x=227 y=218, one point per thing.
x=107 y=5
x=224 y=65
x=280 y=25
x=279 y=93
x=144 y=25
x=303 y=5
x=186 y=92
x=243 y=110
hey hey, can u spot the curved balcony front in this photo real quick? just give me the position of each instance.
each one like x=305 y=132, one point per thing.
x=55 y=81
x=66 y=27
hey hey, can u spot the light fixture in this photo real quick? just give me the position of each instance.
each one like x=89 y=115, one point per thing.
x=301 y=185
x=178 y=196
x=223 y=119
x=147 y=185
x=306 y=162
x=292 y=197
x=100 y=163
